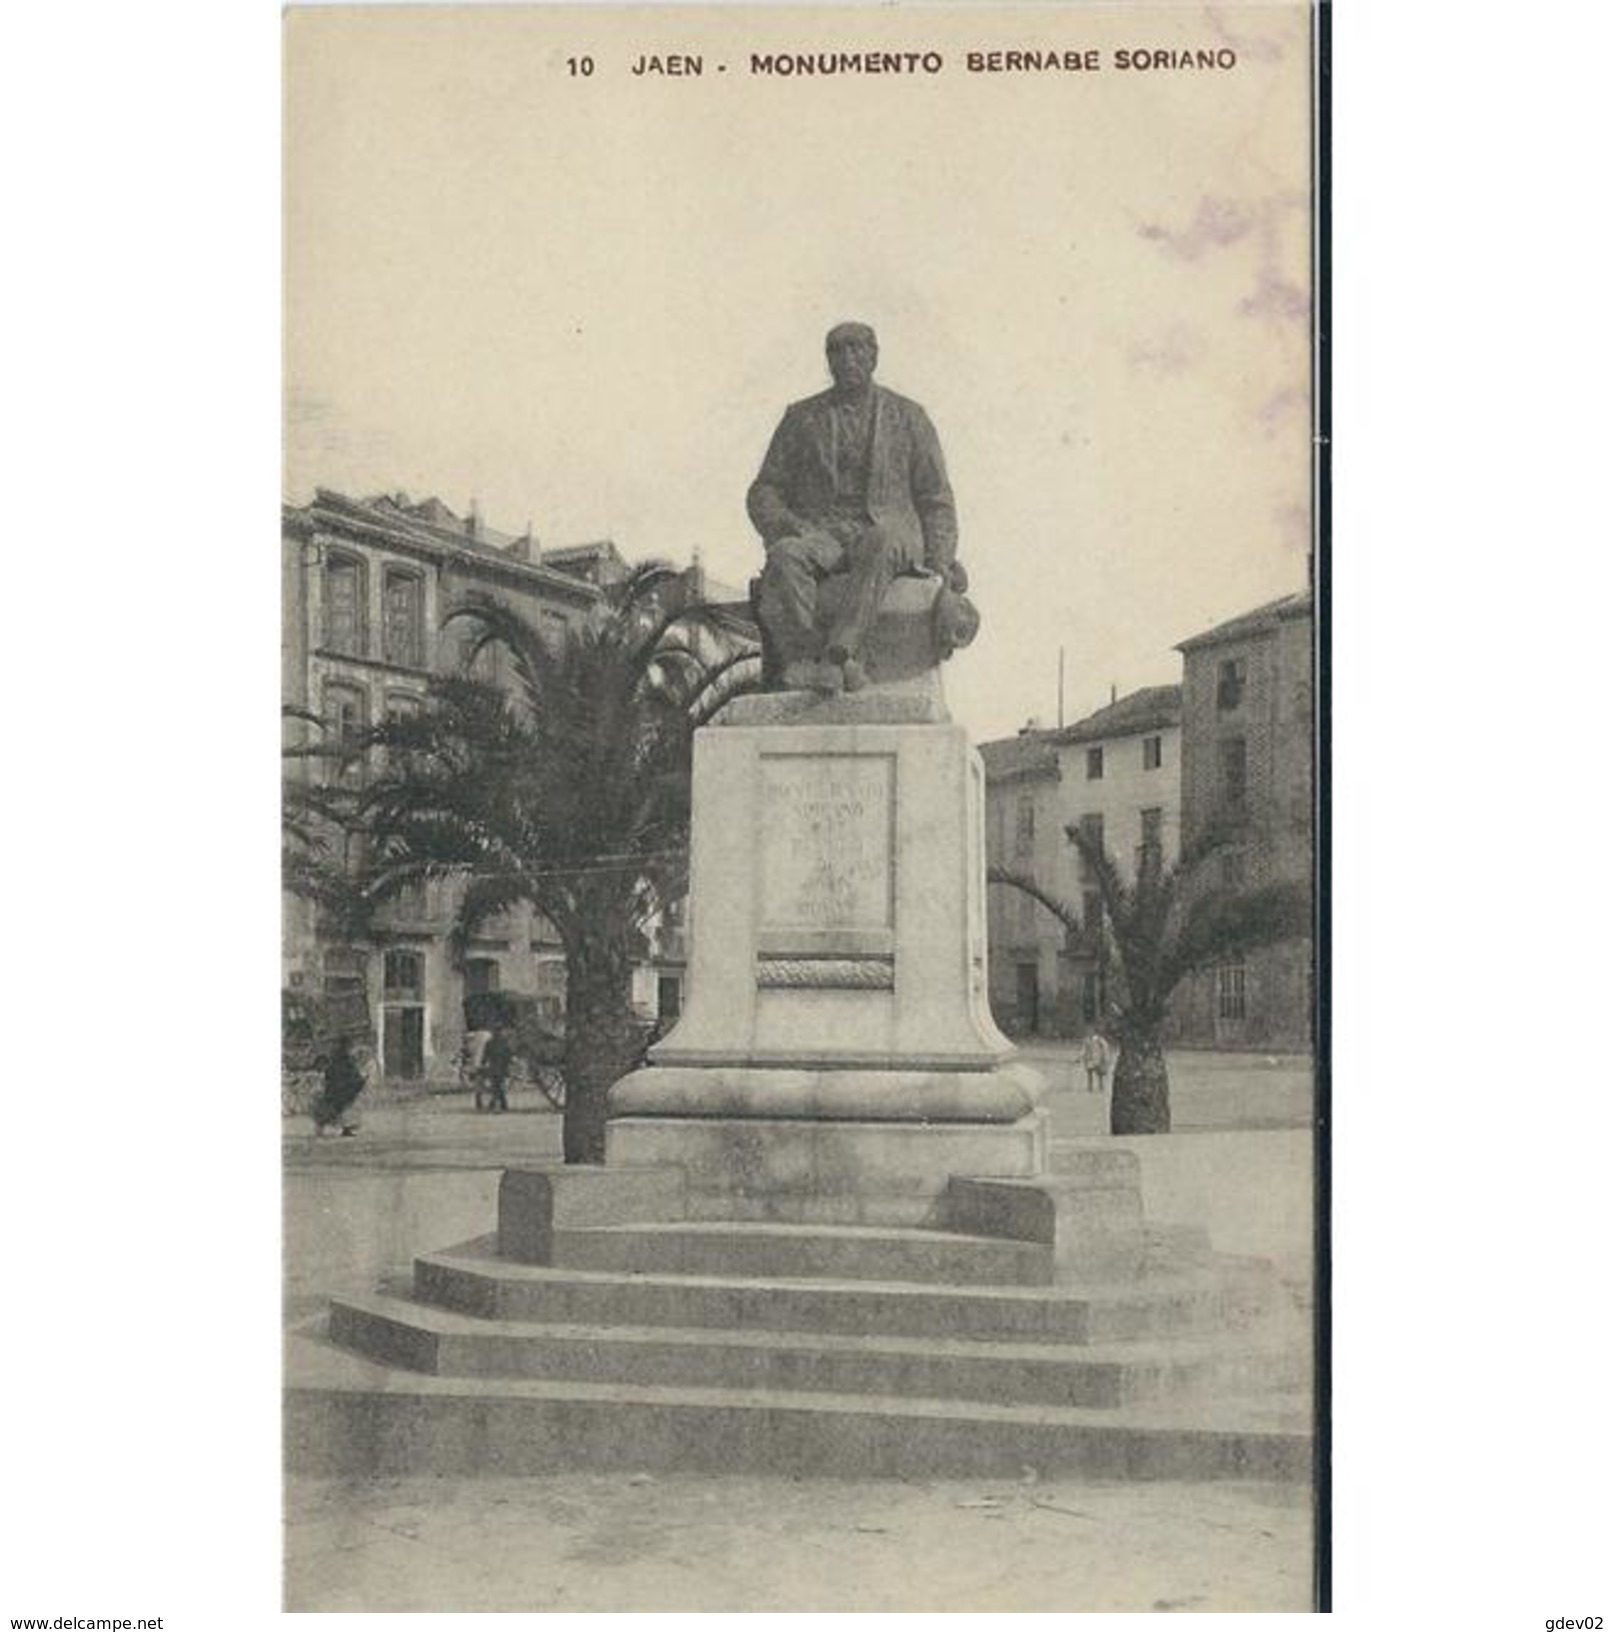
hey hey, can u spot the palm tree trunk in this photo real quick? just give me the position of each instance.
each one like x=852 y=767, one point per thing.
x=603 y=1039
x=1141 y=1101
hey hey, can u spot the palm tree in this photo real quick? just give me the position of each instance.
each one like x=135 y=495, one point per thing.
x=317 y=823
x=567 y=788
x=1162 y=927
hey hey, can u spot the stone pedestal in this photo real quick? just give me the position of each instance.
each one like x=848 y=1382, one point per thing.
x=837 y=901
x=836 y=1059
x=758 y=1169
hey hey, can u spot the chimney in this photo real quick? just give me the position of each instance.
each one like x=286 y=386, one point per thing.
x=473 y=521
x=1114 y=694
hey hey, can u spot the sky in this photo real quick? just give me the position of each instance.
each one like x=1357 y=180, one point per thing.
x=584 y=301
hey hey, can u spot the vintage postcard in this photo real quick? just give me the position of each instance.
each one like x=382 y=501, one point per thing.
x=800 y=605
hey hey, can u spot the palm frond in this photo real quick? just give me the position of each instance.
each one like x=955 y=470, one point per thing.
x=1066 y=913
x=1104 y=871
x=1224 y=924
x=295 y=711
x=484 y=898
x=716 y=690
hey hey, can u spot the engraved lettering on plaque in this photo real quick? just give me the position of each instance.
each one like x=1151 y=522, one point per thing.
x=826 y=841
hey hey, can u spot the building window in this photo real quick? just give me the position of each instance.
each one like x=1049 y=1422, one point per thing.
x=347 y=1007
x=346 y=719
x=1151 y=851
x=1234 y=771
x=1153 y=753
x=1094 y=764
x=1094 y=995
x=405 y=975
x=1028 y=996
x=399 y=706
x=409 y=901
x=1092 y=917
x=403 y=628
x=1025 y=827
x=344 y=604
x=1233 y=676
x=1027 y=916
x=1230 y=993
x=355 y=851
x=481 y=975
x=479 y=662
x=1092 y=829
x=1234 y=869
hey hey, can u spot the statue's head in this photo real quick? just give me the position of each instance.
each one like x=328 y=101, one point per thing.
x=853 y=354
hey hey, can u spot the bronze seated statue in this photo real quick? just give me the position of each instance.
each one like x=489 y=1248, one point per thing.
x=920 y=623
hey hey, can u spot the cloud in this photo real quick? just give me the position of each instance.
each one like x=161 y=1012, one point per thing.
x=1254 y=47
x=1216 y=224
x=1222 y=224
x=1276 y=299
x=1282 y=405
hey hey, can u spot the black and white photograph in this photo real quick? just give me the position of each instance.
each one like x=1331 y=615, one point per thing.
x=884 y=903
x=800 y=785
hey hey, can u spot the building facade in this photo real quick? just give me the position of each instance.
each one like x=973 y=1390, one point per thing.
x=1248 y=750
x=1023 y=835
x=366 y=587
x=1118 y=774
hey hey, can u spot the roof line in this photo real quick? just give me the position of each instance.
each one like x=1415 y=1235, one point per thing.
x=422 y=536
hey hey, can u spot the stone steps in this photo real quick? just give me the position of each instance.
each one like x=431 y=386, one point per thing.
x=803 y=1252
x=347 y=1416
x=1036 y=1324
x=441 y=1343
x=474 y=1280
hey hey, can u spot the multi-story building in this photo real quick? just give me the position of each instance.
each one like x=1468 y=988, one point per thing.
x=1023 y=835
x=1118 y=774
x=366 y=587
x=1248 y=748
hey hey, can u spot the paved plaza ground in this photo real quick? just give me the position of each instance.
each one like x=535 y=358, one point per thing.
x=1209 y=1092
x=593 y=1541
x=423 y=1174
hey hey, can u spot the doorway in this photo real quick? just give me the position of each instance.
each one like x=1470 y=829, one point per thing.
x=1029 y=995
x=403 y=1014
x=403 y=1041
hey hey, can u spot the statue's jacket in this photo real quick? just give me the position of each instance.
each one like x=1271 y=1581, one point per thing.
x=908 y=492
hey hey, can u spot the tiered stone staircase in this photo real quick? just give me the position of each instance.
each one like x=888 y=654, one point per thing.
x=600 y=1329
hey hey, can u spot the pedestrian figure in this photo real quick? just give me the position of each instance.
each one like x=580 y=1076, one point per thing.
x=1095 y=1057
x=336 y=1105
x=496 y=1062
x=472 y=1054
x=369 y=1071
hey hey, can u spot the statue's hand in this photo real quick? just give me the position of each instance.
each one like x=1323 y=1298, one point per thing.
x=789 y=527
x=957 y=579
